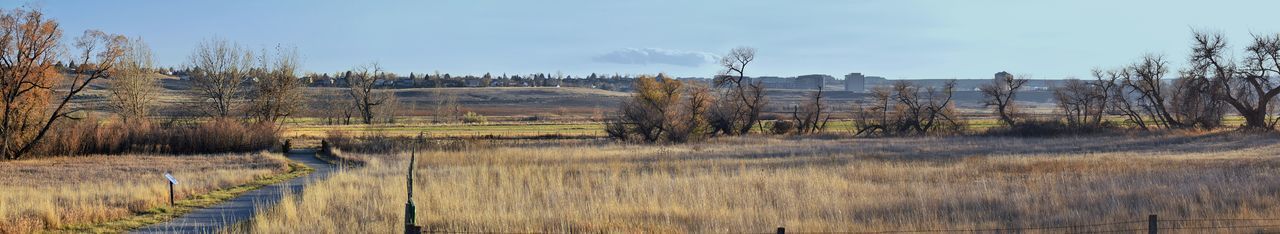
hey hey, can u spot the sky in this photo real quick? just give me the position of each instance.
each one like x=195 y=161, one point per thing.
x=898 y=39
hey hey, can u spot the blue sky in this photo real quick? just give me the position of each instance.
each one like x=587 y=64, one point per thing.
x=896 y=39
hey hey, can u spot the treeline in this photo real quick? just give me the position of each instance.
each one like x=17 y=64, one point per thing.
x=1139 y=96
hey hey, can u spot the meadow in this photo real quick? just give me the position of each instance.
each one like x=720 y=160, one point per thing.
x=755 y=184
x=108 y=193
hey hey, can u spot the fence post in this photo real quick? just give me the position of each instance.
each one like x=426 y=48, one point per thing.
x=782 y=230
x=1151 y=224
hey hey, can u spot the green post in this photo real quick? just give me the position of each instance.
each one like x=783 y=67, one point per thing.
x=410 y=211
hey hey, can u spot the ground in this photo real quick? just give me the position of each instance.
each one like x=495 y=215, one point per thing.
x=756 y=184
x=73 y=192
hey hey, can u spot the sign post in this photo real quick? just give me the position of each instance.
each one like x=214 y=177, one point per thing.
x=172 y=181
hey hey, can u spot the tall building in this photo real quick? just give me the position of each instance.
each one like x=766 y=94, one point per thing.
x=855 y=82
x=1000 y=76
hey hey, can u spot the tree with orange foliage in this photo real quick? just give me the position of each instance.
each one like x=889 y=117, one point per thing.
x=28 y=78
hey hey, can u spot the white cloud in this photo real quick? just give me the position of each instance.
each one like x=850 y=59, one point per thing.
x=657 y=56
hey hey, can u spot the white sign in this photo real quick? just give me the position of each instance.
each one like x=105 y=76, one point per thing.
x=171 y=179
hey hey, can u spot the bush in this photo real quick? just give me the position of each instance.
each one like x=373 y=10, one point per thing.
x=781 y=127
x=472 y=117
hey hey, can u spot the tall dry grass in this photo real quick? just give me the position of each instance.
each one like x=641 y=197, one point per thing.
x=736 y=185
x=94 y=136
x=51 y=193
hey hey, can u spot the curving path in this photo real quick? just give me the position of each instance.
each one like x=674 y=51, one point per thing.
x=214 y=218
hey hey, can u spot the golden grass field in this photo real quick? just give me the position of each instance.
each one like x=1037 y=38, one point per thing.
x=79 y=192
x=755 y=184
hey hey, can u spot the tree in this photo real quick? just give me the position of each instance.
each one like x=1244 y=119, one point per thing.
x=1146 y=78
x=1000 y=93
x=28 y=52
x=810 y=117
x=661 y=109
x=219 y=68
x=278 y=92
x=1249 y=86
x=909 y=109
x=134 y=85
x=748 y=95
x=361 y=82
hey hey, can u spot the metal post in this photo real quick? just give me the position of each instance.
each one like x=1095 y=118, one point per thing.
x=782 y=230
x=1151 y=224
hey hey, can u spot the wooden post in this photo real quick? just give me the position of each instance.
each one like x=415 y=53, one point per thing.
x=1152 y=227
x=171 y=194
x=782 y=230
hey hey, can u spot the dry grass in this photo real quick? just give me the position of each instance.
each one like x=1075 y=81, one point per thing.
x=736 y=185
x=56 y=193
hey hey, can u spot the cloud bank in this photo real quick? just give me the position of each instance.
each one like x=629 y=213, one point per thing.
x=657 y=56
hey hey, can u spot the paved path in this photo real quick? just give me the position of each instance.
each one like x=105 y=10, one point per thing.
x=229 y=212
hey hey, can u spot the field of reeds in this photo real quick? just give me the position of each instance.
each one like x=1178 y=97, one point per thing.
x=755 y=184
x=67 y=192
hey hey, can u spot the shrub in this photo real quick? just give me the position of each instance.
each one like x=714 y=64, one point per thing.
x=472 y=117
x=782 y=127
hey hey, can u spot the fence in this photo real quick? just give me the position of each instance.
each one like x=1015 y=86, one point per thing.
x=1151 y=225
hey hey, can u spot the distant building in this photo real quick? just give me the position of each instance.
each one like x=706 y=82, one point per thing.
x=855 y=82
x=1000 y=76
x=815 y=81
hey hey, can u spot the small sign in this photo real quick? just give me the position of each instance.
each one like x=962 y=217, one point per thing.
x=170 y=177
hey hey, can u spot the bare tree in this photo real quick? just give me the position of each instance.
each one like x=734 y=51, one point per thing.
x=134 y=85
x=448 y=109
x=28 y=52
x=748 y=95
x=1000 y=93
x=1080 y=102
x=218 y=70
x=361 y=83
x=873 y=119
x=909 y=109
x=1248 y=86
x=278 y=92
x=1146 y=78
x=810 y=117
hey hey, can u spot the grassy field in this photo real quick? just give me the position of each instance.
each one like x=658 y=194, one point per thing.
x=736 y=185
x=114 y=193
x=307 y=127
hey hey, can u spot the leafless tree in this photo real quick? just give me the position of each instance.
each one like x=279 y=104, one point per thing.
x=448 y=109
x=1248 y=86
x=134 y=84
x=278 y=92
x=1146 y=79
x=361 y=84
x=1080 y=102
x=909 y=109
x=1001 y=93
x=748 y=94
x=811 y=117
x=873 y=119
x=29 y=46
x=218 y=70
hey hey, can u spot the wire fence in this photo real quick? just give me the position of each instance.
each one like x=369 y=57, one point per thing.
x=1151 y=225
